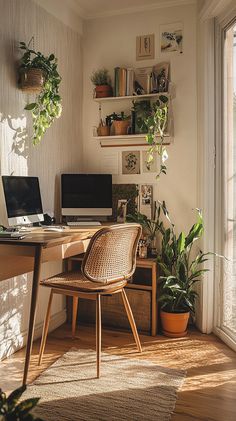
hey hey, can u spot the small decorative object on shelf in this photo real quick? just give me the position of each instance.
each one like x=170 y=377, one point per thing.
x=38 y=73
x=142 y=248
x=102 y=81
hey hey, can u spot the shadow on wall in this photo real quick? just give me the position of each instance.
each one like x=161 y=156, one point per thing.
x=13 y=293
x=16 y=127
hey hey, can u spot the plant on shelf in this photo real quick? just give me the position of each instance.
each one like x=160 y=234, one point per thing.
x=142 y=111
x=156 y=124
x=47 y=105
x=120 y=123
x=180 y=271
x=11 y=409
x=102 y=81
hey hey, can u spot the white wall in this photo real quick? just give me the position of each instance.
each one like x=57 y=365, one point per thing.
x=110 y=42
x=60 y=150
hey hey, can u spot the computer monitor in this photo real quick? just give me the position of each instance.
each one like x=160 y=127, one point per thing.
x=22 y=199
x=86 y=195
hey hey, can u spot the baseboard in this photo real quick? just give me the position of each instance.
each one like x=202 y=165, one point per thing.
x=225 y=338
x=10 y=345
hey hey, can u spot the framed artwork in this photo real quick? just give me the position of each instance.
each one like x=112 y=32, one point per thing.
x=121 y=210
x=149 y=167
x=171 y=37
x=146 y=199
x=145 y=47
x=131 y=162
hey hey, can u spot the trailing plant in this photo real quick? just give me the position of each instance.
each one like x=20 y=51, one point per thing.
x=47 y=105
x=180 y=270
x=11 y=410
x=156 y=124
x=101 y=77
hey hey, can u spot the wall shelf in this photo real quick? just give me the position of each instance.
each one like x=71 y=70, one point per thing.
x=133 y=97
x=127 y=140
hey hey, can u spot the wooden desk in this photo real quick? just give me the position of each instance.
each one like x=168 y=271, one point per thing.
x=26 y=255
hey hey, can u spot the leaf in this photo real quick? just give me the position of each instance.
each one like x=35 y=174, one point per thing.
x=15 y=395
x=181 y=242
x=25 y=406
x=31 y=106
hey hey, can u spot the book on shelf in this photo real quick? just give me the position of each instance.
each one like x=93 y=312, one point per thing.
x=124 y=81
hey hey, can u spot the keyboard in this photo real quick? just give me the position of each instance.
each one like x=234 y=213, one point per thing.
x=83 y=223
x=11 y=235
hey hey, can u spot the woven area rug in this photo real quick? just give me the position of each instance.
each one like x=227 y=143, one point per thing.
x=128 y=389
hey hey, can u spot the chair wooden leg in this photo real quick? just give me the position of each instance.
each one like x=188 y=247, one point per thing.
x=45 y=329
x=74 y=315
x=98 y=333
x=131 y=319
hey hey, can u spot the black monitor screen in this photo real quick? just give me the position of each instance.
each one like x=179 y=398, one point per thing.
x=86 y=190
x=22 y=196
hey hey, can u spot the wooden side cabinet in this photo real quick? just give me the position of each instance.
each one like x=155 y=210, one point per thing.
x=142 y=294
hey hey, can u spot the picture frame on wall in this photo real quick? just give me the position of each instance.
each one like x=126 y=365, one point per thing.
x=171 y=38
x=131 y=162
x=145 y=47
x=146 y=199
x=121 y=210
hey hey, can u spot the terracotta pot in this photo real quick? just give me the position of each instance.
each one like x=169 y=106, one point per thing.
x=32 y=80
x=103 y=131
x=121 y=127
x=103 y=91
x=174 y=325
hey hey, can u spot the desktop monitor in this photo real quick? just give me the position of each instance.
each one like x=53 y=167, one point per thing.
x=22 y=199
x=86 y=194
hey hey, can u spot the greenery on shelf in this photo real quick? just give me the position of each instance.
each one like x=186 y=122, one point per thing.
x=179 y=269
x=142 y=111
x=47 y=105
x=11 y=410
x=156 y=124
x=116 y=117
x=101 y=77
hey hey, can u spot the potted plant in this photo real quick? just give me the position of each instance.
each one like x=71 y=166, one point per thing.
x=102 y=81
x=120 y=123
x=11 y=409
x=39 y=73
x=180 y=272
x=156 y=123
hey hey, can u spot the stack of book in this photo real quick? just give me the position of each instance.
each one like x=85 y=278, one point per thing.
x=124 y=81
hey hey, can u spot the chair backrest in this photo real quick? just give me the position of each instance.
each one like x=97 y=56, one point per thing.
x=111 y=254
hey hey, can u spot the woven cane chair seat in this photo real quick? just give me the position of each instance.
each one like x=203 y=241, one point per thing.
x=76 y=281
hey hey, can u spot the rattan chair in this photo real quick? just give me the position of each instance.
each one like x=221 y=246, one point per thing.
x=108 y=263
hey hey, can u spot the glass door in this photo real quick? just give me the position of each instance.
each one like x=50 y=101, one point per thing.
x=228 y=274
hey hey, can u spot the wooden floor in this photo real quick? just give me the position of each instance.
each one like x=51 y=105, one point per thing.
x=208 y=393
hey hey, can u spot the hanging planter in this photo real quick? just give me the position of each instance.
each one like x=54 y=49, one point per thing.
x=38 y=74
x=32 y=80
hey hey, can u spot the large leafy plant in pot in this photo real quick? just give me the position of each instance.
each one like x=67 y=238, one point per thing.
x=180 y=271
x=39 y=73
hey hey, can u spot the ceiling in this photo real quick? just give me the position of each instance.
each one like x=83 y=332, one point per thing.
x=89 y=9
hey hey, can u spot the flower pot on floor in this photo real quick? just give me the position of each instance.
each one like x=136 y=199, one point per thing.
x=120 y=127
x=103 y=91
x=32 y=80
x=174 y=325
